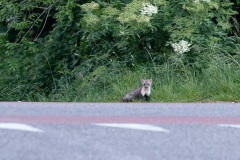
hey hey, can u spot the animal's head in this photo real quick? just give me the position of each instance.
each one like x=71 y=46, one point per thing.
x=146 y=83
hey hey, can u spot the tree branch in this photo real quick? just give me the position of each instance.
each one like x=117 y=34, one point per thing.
x=47 y=9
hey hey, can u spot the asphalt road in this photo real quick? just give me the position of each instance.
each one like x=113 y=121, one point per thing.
x=119 y=131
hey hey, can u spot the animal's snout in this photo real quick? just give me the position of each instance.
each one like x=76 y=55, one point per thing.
x=146 y=85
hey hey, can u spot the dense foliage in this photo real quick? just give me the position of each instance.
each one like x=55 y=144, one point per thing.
x=48 y=45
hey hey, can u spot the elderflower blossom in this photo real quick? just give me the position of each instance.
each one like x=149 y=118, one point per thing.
x=91 y=19
x=197 y=1
x=90 y=6
x=148 y=9
x=181 y=47
x=143 y=19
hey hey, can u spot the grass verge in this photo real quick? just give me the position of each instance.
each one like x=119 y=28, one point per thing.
x=210 y=85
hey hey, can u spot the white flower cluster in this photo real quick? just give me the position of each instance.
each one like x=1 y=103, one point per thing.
x=181 y=47
x=143 y=19
x=90 y=6
x=148 y=9
x=196 y=1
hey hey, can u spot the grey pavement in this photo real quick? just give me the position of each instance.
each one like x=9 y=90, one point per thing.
x=87 y=141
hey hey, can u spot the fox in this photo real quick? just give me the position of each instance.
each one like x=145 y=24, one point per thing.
x=140 y=92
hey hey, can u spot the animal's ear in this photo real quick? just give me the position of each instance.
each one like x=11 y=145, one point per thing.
x=150 y=80
x=142 y=81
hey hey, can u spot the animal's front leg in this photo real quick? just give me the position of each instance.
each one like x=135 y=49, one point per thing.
x=147 y=97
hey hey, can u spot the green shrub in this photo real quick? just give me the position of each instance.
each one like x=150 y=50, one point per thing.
x=53 y=48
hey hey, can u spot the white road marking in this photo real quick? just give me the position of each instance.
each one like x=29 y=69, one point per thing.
x=230 y=125
x=133 y=126
x=19 y=126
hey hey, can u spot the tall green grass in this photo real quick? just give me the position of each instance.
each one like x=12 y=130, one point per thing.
x=219 y=82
